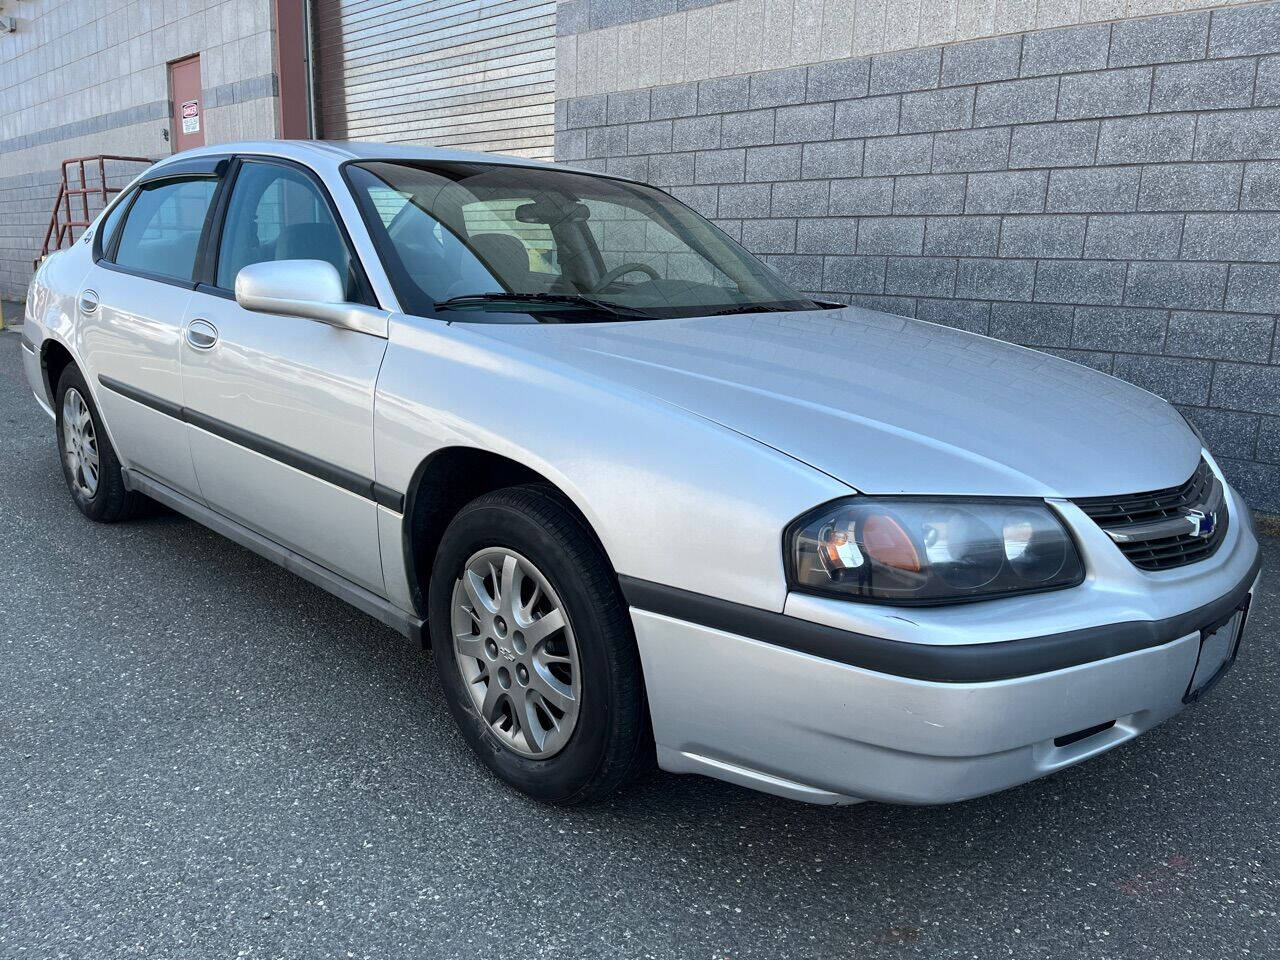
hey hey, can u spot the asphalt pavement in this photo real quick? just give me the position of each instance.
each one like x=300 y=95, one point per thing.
x=203 y=756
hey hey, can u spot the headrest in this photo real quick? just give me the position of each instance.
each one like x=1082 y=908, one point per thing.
x=312 y=241
x=505 y=254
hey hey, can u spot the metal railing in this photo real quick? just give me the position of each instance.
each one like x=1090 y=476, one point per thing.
x=63 y=223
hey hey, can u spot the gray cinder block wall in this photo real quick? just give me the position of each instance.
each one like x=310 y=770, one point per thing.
x=90 y=77
x=1106 y=191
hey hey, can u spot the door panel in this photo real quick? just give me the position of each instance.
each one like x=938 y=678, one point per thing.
x=281 y=408
x=132 y=339
x=281 y=412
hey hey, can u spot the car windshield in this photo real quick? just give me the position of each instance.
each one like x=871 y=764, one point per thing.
x=504 y=243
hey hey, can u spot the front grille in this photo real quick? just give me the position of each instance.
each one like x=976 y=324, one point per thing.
x=1119 y=516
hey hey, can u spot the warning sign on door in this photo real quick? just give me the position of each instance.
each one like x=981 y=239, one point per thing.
x=191 y=116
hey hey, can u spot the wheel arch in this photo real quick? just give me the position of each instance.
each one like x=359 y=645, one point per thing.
x=54 y=359
x=442 y=484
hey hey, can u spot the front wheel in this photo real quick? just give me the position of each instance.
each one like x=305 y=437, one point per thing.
x=534 y=647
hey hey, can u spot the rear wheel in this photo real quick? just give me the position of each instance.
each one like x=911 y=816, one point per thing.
x=89 y=463
x=534 y=647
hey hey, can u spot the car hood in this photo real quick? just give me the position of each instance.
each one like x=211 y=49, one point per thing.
x=888 y=404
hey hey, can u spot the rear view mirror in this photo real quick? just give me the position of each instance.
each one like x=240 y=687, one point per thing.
x=552 y=214
x=311 y=289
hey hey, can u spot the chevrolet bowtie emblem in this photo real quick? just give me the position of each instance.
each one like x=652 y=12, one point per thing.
x=1202 y=524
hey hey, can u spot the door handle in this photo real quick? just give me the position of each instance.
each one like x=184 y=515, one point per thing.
x=88 y=301
x=201 y=334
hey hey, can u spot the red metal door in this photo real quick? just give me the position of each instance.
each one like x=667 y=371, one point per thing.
x=188 y=103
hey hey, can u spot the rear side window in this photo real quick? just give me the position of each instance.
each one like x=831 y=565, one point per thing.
x=111 y=222
x=162 y=230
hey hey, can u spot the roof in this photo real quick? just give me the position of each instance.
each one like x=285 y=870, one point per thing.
x=337 y=151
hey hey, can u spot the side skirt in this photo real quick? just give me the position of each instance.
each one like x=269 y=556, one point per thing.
x=364 y=600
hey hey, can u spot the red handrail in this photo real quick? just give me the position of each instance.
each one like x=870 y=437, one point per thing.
x=62 y=230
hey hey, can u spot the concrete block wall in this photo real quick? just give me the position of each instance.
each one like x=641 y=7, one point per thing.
x=1109 y=192
x=609 y=45
x=89 y=77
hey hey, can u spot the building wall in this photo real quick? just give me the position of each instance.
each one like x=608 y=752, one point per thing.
x=89 y=77
x=467 y=74
x=1107 y=190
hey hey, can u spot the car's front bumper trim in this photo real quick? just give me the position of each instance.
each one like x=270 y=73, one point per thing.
x=939 y=663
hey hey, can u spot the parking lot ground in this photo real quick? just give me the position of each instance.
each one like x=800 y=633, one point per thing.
x=11 y=312
x=201 y=755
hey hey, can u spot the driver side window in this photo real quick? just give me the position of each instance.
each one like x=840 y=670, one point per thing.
x=277 y=213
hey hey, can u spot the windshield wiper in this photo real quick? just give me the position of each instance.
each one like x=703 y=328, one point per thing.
x=752 y=308
x=550 y=299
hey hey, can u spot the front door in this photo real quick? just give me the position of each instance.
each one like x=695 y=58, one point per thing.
x=188 y=103
x=281 y=408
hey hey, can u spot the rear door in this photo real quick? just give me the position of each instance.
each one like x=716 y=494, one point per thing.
x=131 y=306
x=281 y=408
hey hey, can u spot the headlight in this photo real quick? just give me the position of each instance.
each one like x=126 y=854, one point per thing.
x=921 y=550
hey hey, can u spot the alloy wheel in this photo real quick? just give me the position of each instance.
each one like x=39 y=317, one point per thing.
x=80 y=443
x=515 y=648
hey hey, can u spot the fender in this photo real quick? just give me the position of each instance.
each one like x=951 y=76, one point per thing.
x=448 y=385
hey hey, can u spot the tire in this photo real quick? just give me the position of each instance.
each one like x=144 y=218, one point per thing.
x=105 y=499
x=609 y=741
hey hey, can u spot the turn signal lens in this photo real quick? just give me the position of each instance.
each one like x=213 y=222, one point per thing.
x=930 y=550
x=887 y=543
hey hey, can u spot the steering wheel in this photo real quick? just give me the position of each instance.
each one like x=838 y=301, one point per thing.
x=621 y=270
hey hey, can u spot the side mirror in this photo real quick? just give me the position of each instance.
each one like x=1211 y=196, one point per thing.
x=310 y=289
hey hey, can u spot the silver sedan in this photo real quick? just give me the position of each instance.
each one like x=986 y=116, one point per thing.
x=643 y=499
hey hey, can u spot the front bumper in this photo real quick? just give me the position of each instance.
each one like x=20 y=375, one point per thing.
x=961 y=719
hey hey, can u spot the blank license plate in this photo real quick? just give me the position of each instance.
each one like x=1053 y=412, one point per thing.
x=1217 y=651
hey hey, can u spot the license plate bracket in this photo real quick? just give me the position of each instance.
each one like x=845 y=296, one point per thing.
x=1219 y=645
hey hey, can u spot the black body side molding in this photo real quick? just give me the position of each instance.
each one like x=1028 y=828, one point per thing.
x=328 y=472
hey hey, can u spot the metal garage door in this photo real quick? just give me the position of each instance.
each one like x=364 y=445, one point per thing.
x=472 y=74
